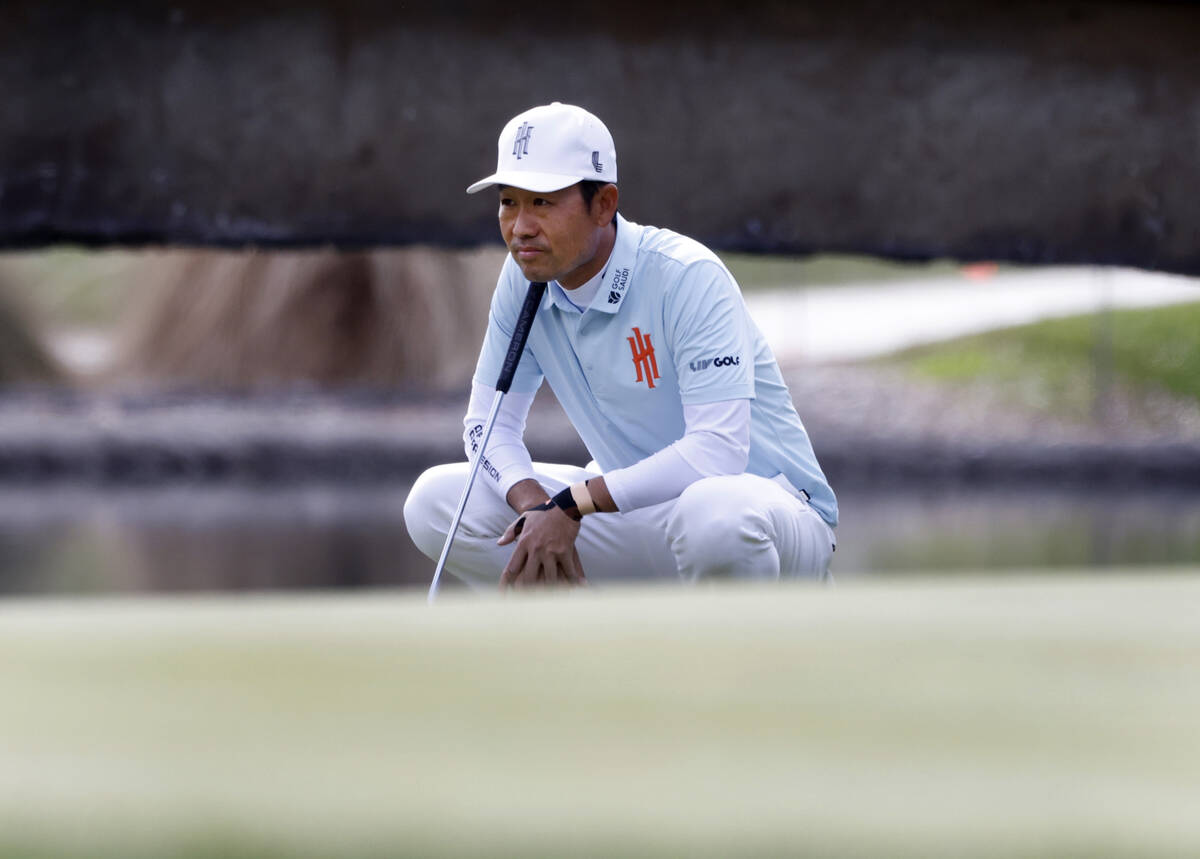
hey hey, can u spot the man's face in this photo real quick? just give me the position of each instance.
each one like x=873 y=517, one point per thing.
x=550 y=234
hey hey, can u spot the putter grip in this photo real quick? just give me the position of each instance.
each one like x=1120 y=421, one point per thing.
x=520 y=334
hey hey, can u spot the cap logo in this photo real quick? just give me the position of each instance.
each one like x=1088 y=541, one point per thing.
x=521 y=141
x=596 y=162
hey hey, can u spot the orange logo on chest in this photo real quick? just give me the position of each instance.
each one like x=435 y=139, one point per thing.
x=643 y=357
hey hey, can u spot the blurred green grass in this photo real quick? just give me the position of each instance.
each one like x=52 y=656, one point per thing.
x=1061 y=364
x=1030 y=717
x=757 y=271
x=73 y=287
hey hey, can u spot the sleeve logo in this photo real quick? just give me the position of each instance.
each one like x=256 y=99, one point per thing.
x=484 y=463
x=724 y=361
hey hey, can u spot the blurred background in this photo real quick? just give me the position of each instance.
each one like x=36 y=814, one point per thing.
x=242 y=291
x=241 y=295
x=212 y=420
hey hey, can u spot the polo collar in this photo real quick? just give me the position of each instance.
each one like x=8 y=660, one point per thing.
x=619 y=270
x=562 y=298
x=616 y=273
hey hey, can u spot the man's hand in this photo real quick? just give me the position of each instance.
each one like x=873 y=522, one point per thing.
x=545 y=554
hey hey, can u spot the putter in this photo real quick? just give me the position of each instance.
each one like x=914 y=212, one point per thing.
x=515 y=347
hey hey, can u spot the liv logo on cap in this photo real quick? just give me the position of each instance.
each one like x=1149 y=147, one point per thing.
x=521 y=143
x=573 y=145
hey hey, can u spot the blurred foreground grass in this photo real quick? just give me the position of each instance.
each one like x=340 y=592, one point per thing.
x=1029 y=717
x=1063 y=362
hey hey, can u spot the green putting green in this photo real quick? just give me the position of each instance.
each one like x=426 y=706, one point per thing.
x=1023 y=717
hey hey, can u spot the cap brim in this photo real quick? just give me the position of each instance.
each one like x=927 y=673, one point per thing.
x=543 y=182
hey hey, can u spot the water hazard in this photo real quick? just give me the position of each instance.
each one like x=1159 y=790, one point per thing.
x=89 y=541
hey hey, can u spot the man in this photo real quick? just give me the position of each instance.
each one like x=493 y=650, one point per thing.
x=701 y=468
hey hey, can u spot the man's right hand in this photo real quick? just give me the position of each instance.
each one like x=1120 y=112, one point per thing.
x=545 y=553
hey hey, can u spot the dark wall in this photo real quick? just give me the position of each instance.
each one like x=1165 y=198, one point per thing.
x=1037 y=132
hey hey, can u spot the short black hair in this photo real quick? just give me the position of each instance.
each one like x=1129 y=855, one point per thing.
x=588 y=188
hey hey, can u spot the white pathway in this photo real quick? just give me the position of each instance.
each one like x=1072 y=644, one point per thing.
x=859 y=321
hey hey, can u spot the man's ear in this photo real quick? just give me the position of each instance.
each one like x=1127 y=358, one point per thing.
x=604 y=204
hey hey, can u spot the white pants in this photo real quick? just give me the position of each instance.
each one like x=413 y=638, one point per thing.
x=737 y=526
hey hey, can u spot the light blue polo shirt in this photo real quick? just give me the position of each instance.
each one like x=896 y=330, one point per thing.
x=667 y=327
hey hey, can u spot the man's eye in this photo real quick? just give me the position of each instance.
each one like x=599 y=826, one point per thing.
x=541 y=201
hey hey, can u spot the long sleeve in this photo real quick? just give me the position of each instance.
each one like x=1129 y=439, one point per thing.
x=506 y=460
x=716 y=441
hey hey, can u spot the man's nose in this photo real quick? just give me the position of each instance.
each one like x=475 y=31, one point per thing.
x=525 y=224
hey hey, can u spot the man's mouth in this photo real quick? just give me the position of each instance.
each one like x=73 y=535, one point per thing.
x=526 y=252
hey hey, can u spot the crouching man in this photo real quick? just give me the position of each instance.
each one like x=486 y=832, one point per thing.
x=702 y=466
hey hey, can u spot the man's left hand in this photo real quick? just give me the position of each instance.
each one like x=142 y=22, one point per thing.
x=545 y=554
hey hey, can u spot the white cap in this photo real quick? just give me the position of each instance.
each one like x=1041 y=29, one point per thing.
x=550 y=147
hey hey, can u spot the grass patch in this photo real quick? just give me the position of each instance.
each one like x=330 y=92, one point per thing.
x=756 y=271
x=1064 y=364
x=1034 y=717
x=71 y=286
